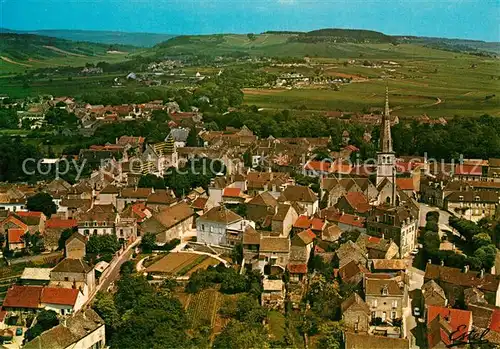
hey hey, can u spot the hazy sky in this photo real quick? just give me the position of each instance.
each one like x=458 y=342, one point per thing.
x=473 y=19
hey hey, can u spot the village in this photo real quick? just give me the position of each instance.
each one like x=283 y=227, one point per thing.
x=387 y=231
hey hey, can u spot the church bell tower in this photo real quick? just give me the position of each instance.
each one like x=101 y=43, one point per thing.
x=386 y=158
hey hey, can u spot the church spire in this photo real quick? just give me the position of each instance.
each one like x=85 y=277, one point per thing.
x=385 y=127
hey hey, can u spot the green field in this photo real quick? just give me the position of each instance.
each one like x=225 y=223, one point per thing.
x=438 y=83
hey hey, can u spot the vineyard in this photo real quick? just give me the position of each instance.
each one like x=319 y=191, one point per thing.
x=203 y=307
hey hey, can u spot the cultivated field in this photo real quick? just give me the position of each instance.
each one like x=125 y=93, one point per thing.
x=181 y=263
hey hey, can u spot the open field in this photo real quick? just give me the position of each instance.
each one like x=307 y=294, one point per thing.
x=442 y=85
x=203 y=307
x=181 y=263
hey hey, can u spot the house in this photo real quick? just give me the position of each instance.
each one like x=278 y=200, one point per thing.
x=389 y=265
x=350 y=251
x=251 y=244
x=273 y=182
x=170 y=223
x=469 y=172
x=34 y=220
x=273 y=294
x=283 y=219
x=99 y=220
x=70 y=208
x=36 y=276
x=84 y=330
x=301 y=195
x=297 y=272
x=300 y=251
x=444 y=324
x=355 y=314
x=494 y=170
x=108 y=195
x=274 y=254
x=260 y=206
x=454 y=282
x=233 y=196
x=22 y=299
x=353 y=272
x=333 y=188
x=473 y=205
x=331 y=233
x=364 y=341
x=355 y=203
x=433 y=294
x=75 y=246
x=378 y=248
x=398 y=223
x=73 y=273
x=131 y=195
x=14 y=229
x=346 y=222
x=53 y=229
x=315 y=224
x=386 y=297
x=221 y=226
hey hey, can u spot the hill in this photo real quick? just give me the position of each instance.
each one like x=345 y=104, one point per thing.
x=22 y=51
x=102 y=37
x=458 y=45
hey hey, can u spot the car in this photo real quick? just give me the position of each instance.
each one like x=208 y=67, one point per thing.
x=19 y=331
x=414 y=252
x=416 y=311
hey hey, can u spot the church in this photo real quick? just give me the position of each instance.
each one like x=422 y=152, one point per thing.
x=395 y=215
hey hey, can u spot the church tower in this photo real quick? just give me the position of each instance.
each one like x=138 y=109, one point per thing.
x=386 y=158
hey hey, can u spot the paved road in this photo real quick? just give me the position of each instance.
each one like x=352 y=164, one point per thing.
x=443 y=215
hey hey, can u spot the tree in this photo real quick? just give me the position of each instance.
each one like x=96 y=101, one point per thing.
x=148 y=242
x=45 y=320
x=102 y=244
x=104 y=305
x=192 y=139
x=331 y=335
x=151 y=181
x=42 y=202
x=431 y=225
x=65 y=235
x=240 y=335
x=431 y=241
x=481 y=239
x=249 y=310
x=237 y=253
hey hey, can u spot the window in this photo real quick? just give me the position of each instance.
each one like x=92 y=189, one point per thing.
x=374 y=303
x=374 y=315
x=393 y=315
x=66 y=278
x=395 y=304
x=385 y=291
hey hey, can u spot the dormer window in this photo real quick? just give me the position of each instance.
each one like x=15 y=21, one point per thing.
x=385 y=291
x=461 y=198
x=477 y=198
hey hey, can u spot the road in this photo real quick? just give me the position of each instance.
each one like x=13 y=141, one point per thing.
x=444 y=216
x=114 y=272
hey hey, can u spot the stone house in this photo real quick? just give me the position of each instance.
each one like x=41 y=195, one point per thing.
x=99 y=220
x=261 y=206
x=455 y=281
x=283 y=219
x=273 y=294
x=251 y=244
x=355 y=203
x=356 y=314
x=221 y=226
x=386 y=298
x=75 y=246
x=53 y=229
x=473 y=205
x=73 y=273
x=433 y=294
x=274 y=254
x=378 y=248
x=170 y=223
x=304 y=196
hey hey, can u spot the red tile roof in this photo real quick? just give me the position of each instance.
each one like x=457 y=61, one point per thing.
x=15 y=235
x=405 y=183
x=302 y=222
x=405 y=167
x=199 y=203
x=471 y=170
x=314 y=165
x=458 y=320
x=374 y=239
x=310 y=234
x=317 y=224
x=23 y=297
x=297 y=268
x=358 y=201
x=15 y=221
x=58 y=223
x=350 y=219
x=231 y=192
x=495 y=321
x=29 y=214
x=63 y=296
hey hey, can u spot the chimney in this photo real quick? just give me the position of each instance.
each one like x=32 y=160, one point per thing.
x=466 y=269
x=481 y=274
x=429 y=261
x=442 y=262
x=383 y=236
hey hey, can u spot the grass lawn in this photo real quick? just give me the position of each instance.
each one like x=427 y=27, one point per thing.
x=276 y=323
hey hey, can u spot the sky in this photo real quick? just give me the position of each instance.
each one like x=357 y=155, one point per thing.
x=467 y=19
